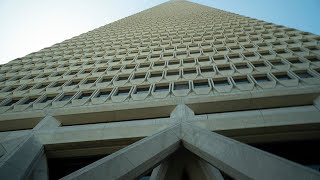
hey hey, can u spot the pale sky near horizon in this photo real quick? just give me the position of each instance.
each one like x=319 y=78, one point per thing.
x=30 y=25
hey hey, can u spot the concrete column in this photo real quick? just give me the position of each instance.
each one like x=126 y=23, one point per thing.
x=159 y=173
x=316 y=103
x=40 y=172
x=239 y=160
x=19 y=163
x=200 y=169
x=134 y=160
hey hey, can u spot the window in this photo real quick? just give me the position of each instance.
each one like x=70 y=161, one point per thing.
x=220 y=82
x=13 y=101
x=123 y=77
x=241 y=80
x=224 y=67
x=85 y=95
x=30 y=100
x=139 y=76
x=103 y=94
x=58 y=84
x=142 y=89
x=155 y=74
x=161 y=87
x=303 y=74
x=122 y=92
x=190 y=71
x=201 y=84
x=241 y=66
x=46 y=99
x=73 y=83
x=145 y=65
x=181 y=85
x=282 y=76
x=204 y=59
x=276 y=62
x=90 y=81
x=172 y=73
x=294 y=60
x=261 y=78
x=66 y=97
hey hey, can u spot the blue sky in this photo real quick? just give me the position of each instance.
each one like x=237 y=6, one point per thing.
x=30 y=25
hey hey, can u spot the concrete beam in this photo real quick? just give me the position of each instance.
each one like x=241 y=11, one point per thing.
x=239 y=160
x=134 y=160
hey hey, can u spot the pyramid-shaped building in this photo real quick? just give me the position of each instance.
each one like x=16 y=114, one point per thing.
x=178 y=91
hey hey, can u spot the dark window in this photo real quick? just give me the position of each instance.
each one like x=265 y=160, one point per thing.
x=84 y=95
x=261 y=79
x=139 y=76
x=30 y=100
x=90 y=81
x=161 y=88
x=282 y=76
x=276 y=62
x=220 y=82
x=105 y=79
x=189 y=71
x=241 y=66
x=13 y=101
x=66 y=97
x=122 y=78
x=241 y=80
x=303 y=74
x=104 y=94
x=259 y=64
x=200 y=84
x=42 y=86
x=206 y=69
x=141 y=90
x=144 y=65
x=123 y=92
x=156 y=74
x=158 y=64
x=204 y=59
x=58 y=84
x=181 y=86
x=48 y=98
x=224 y=68
x=73 y=83
x=172 y=73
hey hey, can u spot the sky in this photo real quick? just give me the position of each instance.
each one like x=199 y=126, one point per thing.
x=31 y=25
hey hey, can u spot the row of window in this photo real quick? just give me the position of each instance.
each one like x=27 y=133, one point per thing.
x=218 y=55
x=138 y=41
x=200 y=86
x=145 y=63
x=145 y=77
x=202 y=48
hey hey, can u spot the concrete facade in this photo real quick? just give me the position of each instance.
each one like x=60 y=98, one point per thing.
x=154 y=84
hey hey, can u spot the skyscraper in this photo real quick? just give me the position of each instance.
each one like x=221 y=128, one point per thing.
x=177 y=91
